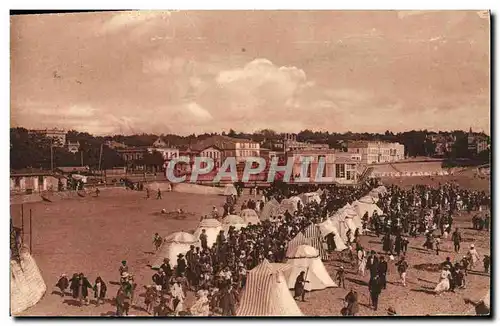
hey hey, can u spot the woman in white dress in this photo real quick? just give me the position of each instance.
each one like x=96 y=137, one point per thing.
x=444 y=281
x=362 y=262
x=178 y=295
x=473 y=256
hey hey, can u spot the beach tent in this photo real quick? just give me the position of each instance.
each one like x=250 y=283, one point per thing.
x=233 y=220
x=270 y=210
x=326 y=227
x=306 y=259
x=338 y=220
x=173 y=245
x=288 y=205
x=250 y=216
x=310 y=197
x=368 y=199
x=212 y=227
x=350 y=213
x=229 y=190
x=362 y=208
x=266 y=293
x=313 y=234
x=299 y=239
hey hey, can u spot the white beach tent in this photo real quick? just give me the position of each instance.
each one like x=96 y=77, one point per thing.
x=362 y=208
x=229 y=190
x=306 y=259
x=266 y=292
x=310 y=197
x=250 y=216
x=173 y=245
x=212 y=227
x=270 y=210
x=327 y=227
x=233 y=220
x=338 y=220
x=288 y=205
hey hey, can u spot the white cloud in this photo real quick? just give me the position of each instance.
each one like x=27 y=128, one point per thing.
x=198 y=112
x=132 y=18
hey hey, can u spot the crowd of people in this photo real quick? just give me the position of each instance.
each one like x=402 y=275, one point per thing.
x=217 y=274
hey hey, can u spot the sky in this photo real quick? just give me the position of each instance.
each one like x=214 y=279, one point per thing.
x=184 y=72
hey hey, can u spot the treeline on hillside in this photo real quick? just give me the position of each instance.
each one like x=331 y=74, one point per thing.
x=34 y=150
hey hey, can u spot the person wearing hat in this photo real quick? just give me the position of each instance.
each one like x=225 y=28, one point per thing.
x=62 y=284
x=178 y=295
x=150 y=298
x=123 y=268
x=375 y=288
x=204 y=239
x=382 y=271
x=444 y=280
x=402 y=266
x=299 y=288
x=351 y=307
x=340 y=276
x=157 y=241
x=473 y=256
x=100 y=290
x=83 y=288
x=181 y=265
x=166 y=268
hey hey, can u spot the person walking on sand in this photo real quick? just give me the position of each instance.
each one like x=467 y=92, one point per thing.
x=299 y=288
x=402 y=266
x=473 y=256
x=62 y=284
x=158 y=194
x=457 y=238
x=100 y=289
x=157 y=241
x=375 y=288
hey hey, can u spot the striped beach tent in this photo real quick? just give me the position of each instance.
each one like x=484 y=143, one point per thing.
x=313 y=234
x=266 y=293
x=300 y=239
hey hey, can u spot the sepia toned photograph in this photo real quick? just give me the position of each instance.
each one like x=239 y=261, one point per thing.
x=242 y=163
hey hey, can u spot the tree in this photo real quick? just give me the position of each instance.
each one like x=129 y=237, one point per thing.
x=231 y=133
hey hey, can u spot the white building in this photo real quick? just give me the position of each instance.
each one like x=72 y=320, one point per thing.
x=373 y=152
x=215 y=153
x=339 y=166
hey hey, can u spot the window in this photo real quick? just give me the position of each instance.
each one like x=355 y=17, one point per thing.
x=17 y=181
x=339 y=171
x=40 y=180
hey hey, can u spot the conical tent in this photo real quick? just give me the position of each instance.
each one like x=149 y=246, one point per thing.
x=310 y=197
x=327 y=227
x=250 y=216
x=266 y=293
x=363 y=208
x=229 y=190
x=306 y=259
x=233 y=220
x=212 y=227
x=313 y=234
x=298 y=240
x=174 y=244
x=338 y=221
x=288 y=205
x=271 y=210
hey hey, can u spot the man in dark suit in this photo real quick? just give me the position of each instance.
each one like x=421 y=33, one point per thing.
x=382 y=272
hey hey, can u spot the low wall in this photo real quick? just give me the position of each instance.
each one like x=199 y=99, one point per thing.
x=58 y=195
x=26 y=283
x=197 y=189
